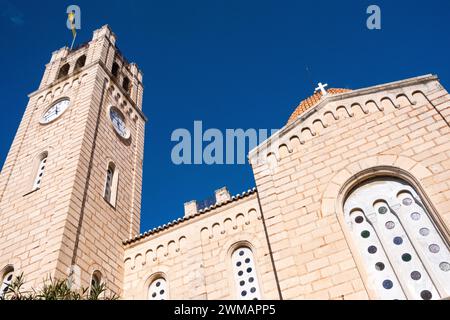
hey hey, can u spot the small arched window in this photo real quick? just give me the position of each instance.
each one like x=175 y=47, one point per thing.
x=115 y=70
x=41 y=165
x=158 y=290
x=403 y=253
x=96 y=281
x=96 y=278
x=111 y=183
x=246 y=279
x=64 y=71
x=7 y=279
x=81 y=62
x=126 y=84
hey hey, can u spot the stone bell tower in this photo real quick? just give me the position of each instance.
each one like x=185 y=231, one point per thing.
x=70 y=188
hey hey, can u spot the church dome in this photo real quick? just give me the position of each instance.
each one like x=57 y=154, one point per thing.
x=312 y=101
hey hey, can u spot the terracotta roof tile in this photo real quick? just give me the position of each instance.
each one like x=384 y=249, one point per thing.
x=181 y=220
x=312 y=101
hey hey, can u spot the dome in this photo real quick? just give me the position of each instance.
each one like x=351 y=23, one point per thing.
x=312 y=101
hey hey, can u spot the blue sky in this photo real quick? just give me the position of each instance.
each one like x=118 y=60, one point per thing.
x=231 y=64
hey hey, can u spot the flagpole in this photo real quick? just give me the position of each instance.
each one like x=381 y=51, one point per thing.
x=73 y=42
x=72 y=27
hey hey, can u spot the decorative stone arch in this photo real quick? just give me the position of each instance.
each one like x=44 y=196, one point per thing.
x=128 y=264
x=7 y=275
x=66 y=87
x=402 y=167
x=97 y=269
x=347 y=179
x=6 y=269
x=238 y=244
x=81 y=62
x=39 y=100
x=97 y=277
x=138 y=261
x=63 y=71
x=162 y=273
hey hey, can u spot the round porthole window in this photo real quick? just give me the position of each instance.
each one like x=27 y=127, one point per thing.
x=382 y=210
x=445 y=266
x=387 y=284
x=158 y=290
x=359 y=219
x=415 y=275
x=379 y=266
x=407 y=201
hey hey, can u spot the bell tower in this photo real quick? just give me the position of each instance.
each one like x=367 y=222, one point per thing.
x=70 y=188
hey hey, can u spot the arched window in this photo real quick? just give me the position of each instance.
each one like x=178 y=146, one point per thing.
x=126 y=84
x=42 y=163
x=7 y=279
x=158 y=290
x=247 y=287
x=64 y=71
x=81 y=62
x=115 y=70
x=112 y=179
x=96 y=279
x=404 y=255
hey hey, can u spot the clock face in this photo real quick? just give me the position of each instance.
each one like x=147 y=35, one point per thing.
x=119 y=123
x=55 y=111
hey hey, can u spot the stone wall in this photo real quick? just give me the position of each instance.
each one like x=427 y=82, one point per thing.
x=66 y=225
x=194 y=254
x=398 y=129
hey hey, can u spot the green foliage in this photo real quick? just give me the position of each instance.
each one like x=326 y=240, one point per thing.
x=55 y=289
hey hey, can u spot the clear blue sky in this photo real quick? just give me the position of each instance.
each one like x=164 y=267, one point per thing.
x=230 y=63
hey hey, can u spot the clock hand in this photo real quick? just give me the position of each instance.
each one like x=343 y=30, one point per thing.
x=49 y=115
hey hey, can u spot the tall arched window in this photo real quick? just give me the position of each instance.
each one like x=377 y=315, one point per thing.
x=7 y=279
x=126 y=84
x=404 y=255
x=96 y=279
x=112 y=179
x=42 y=163
x=115 y=70
x=81 y=62
x=246 y=279
x=158 y=290
x=64 y=71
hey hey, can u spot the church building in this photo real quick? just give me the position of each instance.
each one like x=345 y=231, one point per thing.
x=352 y=195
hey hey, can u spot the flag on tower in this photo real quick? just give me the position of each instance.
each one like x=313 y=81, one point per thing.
x=72 y=27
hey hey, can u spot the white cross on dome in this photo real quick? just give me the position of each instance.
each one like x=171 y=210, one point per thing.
x=321 y=87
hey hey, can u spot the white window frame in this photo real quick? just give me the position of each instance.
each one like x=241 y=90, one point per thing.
x=7 y=279
x=39 y=170
x=111 y=184
x=245 y=274
x=158 y=289
x=383 y=207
